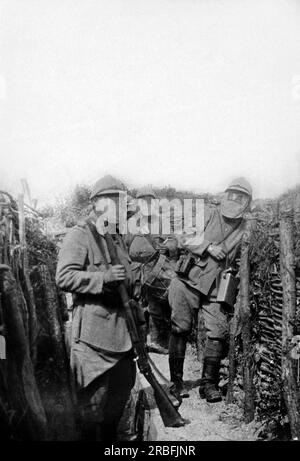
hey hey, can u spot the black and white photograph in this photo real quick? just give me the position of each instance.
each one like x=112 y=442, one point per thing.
x=150 y=223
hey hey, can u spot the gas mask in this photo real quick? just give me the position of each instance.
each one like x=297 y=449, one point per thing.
x=147 y=206
x=234 y=204
x=145 y=217
x=110 y=211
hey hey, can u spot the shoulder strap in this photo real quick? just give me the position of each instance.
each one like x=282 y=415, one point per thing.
x=93 y=234
x=224 y=237
x=156 y=270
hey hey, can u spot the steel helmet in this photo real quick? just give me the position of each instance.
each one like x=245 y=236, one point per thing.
x=145 y=192
x=131 y=206
x=106 y=186
x=235 y=208
x=242 y=185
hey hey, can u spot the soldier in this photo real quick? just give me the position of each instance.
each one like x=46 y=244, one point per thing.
x=101 y=348
x=143 y=248
x=212 y=251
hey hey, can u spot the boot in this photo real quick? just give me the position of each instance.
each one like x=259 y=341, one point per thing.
x=178 y=388
x=158 y=342
x=208 y=388
x=177 y=348
x=210 y=374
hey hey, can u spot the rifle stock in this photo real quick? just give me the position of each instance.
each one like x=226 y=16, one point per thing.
x=168 y=412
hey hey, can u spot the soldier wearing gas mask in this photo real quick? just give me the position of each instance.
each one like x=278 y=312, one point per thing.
x=144 y=247
x=209 y=254
x=101 y=348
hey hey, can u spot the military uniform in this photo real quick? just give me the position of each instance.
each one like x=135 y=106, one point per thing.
x=142 y=248
x=199 y=289
x=101 y=348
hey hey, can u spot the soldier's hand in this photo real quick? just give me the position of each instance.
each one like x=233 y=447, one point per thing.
x=115 y=273
x=216 y=251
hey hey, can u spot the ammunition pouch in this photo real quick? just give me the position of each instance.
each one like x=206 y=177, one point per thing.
x=184 y=265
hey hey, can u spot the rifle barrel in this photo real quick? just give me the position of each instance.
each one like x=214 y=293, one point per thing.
x=168 y=412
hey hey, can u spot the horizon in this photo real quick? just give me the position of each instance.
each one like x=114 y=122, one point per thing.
x=129 y=190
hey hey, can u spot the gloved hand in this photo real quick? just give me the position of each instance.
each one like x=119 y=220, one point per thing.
x=115 y=273
x=216 y=251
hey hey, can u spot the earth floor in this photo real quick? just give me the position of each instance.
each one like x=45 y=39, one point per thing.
x=207 y=421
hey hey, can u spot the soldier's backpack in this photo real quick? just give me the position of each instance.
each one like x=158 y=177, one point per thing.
x=157 y=270
x=157 y=276
x=141 y=249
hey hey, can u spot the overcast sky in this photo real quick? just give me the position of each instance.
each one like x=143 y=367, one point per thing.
x=183 y=92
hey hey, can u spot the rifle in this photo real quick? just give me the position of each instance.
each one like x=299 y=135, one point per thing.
x=168 y=412
x=3 y=267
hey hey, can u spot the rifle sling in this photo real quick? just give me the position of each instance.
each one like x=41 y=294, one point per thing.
x=156 y=270
x=94 y=235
